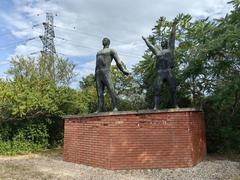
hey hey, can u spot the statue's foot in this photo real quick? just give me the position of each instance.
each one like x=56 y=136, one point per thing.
x=155 y=108
x=115 y=109
x=176 y=106
x=98 y=111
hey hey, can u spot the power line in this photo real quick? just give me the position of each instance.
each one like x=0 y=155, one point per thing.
x=9 y=32
x=92 y=48
x=78 y=45
x=49 y=35
x=90 y=34
x=13 y=42
x=33 y=53
x=36 y=25
x=17 y=42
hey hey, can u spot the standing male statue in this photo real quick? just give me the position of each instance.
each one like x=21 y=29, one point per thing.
x=164 y=64
x=103 y=74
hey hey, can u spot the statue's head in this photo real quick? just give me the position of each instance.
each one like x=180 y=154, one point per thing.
x=106 y=42
x=164 y=44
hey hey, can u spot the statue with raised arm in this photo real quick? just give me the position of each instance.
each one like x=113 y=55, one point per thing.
x=103 y=74
x=164 y=65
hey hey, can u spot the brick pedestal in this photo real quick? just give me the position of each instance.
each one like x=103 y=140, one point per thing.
x=170 y=138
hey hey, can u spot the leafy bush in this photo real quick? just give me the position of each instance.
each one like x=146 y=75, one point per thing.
x=19 y=147
x=207 y=70
x=22 y=137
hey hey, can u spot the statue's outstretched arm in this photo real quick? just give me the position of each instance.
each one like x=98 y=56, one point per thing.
x=119 y=63
x=154 y=49
x=173 y=35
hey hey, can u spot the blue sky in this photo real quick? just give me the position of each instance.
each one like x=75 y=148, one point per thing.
x=5 y=38
x=81 y=25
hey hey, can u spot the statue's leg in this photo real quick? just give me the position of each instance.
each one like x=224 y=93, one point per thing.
x=157 y=90
x=172 y=85
x=111 y=91
x=100 y=93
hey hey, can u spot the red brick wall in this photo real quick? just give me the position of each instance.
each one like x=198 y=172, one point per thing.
x=136 y=140
x=198 y=137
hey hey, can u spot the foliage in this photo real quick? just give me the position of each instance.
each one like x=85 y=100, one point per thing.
x=23 y=137
x=207 y=69
x=190 y=59
x=87 y=97
x=35 y=99
x=33 y=91
x=126 y=87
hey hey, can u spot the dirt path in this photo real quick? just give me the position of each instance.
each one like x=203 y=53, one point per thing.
x=51 y=166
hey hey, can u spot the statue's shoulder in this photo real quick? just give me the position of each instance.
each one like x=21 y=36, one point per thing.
x=99 y=52
x=113 y=51
x=105 y=51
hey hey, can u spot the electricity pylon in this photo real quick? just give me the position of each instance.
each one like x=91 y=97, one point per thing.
x=48 y=37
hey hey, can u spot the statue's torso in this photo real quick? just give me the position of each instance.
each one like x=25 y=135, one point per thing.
x=104 y=59
x=164 y=58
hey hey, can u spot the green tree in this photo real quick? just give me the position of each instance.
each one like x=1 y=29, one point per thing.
x=33 y=90
x=207 y=69
x=34 y=100
x=222 y=108
x=87 y=96
x=127 y=88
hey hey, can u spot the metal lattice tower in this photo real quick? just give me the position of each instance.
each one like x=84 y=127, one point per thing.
x=48 y=37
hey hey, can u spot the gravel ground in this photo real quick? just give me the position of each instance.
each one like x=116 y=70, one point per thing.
x=51 y=166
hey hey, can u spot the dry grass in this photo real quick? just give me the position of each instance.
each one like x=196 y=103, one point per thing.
x=11 y=171
x=49 y=165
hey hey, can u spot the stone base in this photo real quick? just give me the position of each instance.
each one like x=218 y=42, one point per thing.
x=172 y=138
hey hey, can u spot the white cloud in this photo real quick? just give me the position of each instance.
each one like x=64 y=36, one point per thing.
x=83 y=24
x=86 y=68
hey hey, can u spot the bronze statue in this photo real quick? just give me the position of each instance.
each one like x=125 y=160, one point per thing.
x=164 y=65
x=103 y=74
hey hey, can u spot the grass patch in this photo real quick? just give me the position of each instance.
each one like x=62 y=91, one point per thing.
x=11 y=148
x=20 y=172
